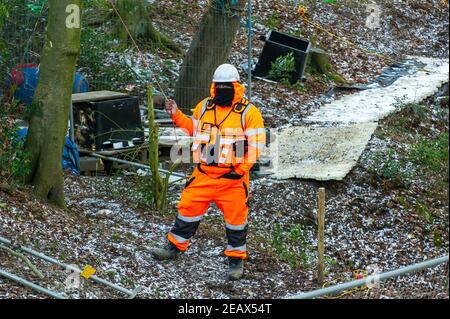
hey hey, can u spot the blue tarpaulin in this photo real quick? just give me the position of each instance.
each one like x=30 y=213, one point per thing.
x=70 y=157
x=25 y=79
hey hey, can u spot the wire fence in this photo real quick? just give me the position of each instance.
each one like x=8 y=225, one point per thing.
x=22 y=35
x=111 y=62
x=114 y=62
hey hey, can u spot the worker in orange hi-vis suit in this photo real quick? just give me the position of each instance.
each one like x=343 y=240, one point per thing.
x=229 y=136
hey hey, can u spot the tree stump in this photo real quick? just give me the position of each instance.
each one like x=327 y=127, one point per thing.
x=318 y=61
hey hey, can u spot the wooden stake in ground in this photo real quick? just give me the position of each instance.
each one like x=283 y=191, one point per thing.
x=321 y=235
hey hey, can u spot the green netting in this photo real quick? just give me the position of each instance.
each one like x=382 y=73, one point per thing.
x=107 y=63
x=22 y=33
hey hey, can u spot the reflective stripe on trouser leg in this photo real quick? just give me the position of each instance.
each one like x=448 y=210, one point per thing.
x=183 y=230
x=237 y=240
x=191 y=208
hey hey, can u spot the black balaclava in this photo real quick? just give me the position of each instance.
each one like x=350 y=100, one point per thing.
x=224 y=94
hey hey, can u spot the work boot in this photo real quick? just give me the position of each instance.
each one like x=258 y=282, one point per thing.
x=170 y=251
x=236 y=268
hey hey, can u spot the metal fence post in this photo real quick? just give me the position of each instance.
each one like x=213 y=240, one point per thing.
x=250 y=55
x=31 y=285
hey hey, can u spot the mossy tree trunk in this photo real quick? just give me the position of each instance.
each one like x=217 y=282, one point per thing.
x=136 y=14
x=319 y=62
x=159 y=185
x=210 y=48
x=48 y=124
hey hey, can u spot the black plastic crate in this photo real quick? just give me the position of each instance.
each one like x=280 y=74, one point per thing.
x=108 y=124
x=280 y=44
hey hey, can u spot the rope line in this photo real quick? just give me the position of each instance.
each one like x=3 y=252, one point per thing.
x=43 y=9
x=147 y=66
x=137 y=48
x=225 y=7
x=319 y=27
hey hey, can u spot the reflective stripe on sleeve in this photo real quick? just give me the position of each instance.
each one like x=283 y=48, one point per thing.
x=195 y=123
x=254 y=131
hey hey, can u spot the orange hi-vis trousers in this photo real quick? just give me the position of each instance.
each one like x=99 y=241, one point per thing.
x=230 y=196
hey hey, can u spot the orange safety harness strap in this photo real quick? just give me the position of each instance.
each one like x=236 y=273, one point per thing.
x=237 y=108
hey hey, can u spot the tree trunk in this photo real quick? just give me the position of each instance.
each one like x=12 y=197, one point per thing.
x=135 y=13
x=158 y=183
x=210 y=48
x=319 y=61
x=48 y=124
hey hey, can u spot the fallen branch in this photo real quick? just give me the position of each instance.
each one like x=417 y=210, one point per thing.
x=5 y=187
x=25 y=259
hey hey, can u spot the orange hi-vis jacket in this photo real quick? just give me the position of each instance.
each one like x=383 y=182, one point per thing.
x=235 y=136
x=225 y=139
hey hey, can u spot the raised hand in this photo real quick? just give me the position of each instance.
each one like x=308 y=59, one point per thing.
x=171 y=107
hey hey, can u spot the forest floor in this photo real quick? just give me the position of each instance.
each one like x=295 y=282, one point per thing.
x=407 y=28
x=390 y=211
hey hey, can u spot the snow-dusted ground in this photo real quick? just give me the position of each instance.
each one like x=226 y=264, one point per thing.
x=319 y=152
x=374 y=104
x=107 y=227
x=329 y=143
x=116 y=238
x=407 y=28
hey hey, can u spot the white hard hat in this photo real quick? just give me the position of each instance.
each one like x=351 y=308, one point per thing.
x=226 y=73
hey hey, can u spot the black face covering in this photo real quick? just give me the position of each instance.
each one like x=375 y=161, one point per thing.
x=224 y=94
